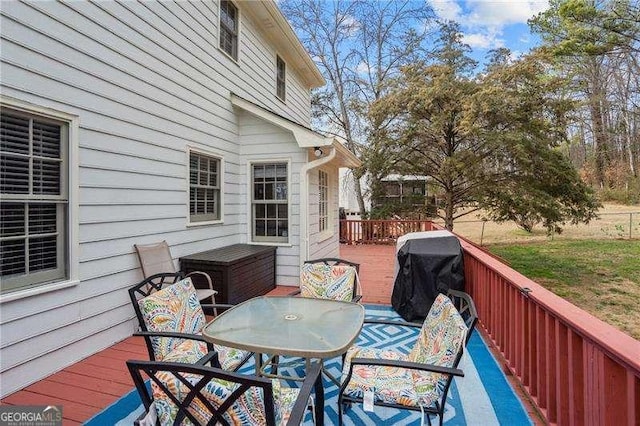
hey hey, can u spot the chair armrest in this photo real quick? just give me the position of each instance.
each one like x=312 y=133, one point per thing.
x=206 y=276
x=311 y=381
x=407 y=364
x=357 y=298
x=392 y=322
x=208 y=307
x=210 y=357
x=186 y=336
x=211 y=352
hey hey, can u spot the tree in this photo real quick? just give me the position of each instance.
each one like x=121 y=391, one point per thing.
x=596 y=43
x=358 y=45
x=488 y=142
x=523 y=107
x=422 y=117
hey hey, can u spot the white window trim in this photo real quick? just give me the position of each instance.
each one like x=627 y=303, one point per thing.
x=73 y=250
x=198 y=150
x=224 y=52
x=329 y=231
x=250 y=164
x=284 y=100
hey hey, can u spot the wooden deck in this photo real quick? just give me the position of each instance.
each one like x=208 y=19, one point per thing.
x=85 y=388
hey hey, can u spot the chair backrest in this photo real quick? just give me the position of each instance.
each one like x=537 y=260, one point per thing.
x=173 y=308
x=335 y=261
x=442 y=337
x=148 y=286
x=466 y=308
x=323 y=281
x=187 y=393
x=155 y=258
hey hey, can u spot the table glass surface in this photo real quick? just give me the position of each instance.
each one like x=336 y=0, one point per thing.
x=298 y=326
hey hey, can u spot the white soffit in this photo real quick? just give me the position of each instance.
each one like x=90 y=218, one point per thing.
x=305 y=137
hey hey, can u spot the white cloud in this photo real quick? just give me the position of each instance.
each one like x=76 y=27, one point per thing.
x=483 y=41
x=502 y=13
x=349 y=25
x=447 y=10
x=363 y=68
x=483 y=21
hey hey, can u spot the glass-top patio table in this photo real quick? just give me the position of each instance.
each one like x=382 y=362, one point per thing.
x=296 y=326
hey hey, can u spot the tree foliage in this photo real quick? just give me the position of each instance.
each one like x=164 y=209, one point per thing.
x=358 y=45
x=485 y=142
x=595 y=45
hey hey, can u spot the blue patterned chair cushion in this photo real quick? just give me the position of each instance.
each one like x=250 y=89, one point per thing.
x=173 y=308
x=187 y=352
x=441 y=338
x=230 y=358
x=322 y=281
x=177 y=308
x=392 y=385
x=246 y=410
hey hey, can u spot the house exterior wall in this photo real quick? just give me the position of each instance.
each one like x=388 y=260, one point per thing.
x=145 y=82
x=323 y=244
x=261 y=141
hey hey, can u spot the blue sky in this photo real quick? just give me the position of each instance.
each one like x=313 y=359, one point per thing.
x=489 y=24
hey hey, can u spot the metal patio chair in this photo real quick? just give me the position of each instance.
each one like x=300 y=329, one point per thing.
x=195 y=394
x=420 y=380
x=156 y=258
x=171 y=320
x=330 y=278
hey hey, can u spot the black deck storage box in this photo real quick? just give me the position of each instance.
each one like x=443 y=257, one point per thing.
x=428 y=264
x=239 y=272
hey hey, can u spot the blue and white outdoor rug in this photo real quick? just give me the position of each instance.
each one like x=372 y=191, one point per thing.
x=482 y=397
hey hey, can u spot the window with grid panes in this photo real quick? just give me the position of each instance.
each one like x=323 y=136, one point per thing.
x=323 y=202
x=281 y=77
x=270 y=206
x=34 y=199
x=229 y=28
x=204 y=188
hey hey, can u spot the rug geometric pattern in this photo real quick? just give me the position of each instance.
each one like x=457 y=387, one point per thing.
x=482 y=397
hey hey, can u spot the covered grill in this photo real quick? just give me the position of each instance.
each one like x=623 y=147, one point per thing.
x=427 y=263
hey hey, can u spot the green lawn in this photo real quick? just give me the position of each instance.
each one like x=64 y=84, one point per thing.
x=600 y=276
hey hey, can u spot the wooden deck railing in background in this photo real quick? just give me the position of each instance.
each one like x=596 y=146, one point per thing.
x=576 y=368
x=379 y=231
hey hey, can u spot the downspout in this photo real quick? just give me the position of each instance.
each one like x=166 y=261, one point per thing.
x=304 y=201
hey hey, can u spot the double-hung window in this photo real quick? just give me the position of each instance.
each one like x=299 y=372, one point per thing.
x=281 y=78
x=229 y=20
x=34 y=199
x=323 y=202
x=204 y=187
x=270 y=202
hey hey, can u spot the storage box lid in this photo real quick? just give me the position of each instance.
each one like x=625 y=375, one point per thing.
x=228 y=255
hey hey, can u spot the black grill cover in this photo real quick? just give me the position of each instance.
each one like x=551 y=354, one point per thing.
x=427 y=266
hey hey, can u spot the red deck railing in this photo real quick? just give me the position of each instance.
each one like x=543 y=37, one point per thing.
x=379 y=231
x=576 y=368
